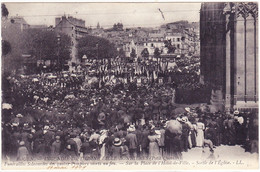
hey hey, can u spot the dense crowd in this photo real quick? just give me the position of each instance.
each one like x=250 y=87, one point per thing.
x=110 y=114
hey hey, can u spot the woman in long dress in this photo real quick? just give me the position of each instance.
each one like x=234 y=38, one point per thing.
x=153 y=145
x=200 y=133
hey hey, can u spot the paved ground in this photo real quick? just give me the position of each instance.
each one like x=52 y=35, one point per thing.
x=235 y=155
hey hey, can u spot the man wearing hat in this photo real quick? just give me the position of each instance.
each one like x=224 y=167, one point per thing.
x=49 y=137
x=116 y=149
x=185 y=134
x=132 y=142
x=56 y=147
x=26 y=136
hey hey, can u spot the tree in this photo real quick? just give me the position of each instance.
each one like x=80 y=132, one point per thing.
x=121 y=53
x=6 y=47
x=171 y=48
x=44 y=45
x=118 y=27
x=157 y=52
x=96 y=48
x=133 y=53
x=11 y=46
x=5 y=11
x=145 y=53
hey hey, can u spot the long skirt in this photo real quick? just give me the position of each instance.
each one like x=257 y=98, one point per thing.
x=200 y=138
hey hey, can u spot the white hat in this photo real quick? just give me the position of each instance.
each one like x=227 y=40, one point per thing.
x=19 y=115
x=15 y=124
x=131 y=128
x=178 y=119
x=236 y=112
x=184 y=119
x=157 y=132
x=187 y=109
x=22 y=143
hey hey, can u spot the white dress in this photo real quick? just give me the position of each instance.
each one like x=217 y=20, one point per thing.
x=200 y=134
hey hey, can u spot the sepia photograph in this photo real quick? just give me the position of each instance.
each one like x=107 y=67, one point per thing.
x=129 y=85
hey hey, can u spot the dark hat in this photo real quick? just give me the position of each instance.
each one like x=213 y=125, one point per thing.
x=26 y=128
x=52 y=128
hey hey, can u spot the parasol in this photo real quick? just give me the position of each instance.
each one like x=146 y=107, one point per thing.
x=70 y=96
x=179 y=110
x=35 y=80
x=174 y=127
x=7 y=106
x=52 y=76
x=27 y=119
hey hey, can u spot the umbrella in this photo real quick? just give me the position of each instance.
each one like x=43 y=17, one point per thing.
x=92 y=80
x=70 y=96
x=15 y=120
x=27 y=119
x=127 y=118
x=35 y=80
x=179 y=110
x=52 y=76
x=174 y=127
x=120 y=112
x=213 y=109
x=7 y=106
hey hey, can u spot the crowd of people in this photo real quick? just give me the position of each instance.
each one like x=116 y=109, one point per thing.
x=110 y=114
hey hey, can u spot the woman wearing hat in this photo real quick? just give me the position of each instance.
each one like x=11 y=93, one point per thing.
x=200 y=133
x=22 y=153
x=153 y=137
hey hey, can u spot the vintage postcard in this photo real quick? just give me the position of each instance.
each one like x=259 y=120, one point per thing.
x=127 y=85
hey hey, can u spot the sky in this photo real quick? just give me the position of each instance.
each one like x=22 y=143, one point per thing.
x=130 y=14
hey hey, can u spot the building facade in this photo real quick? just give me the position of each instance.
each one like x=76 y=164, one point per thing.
x=229 y=53
x=75 y=29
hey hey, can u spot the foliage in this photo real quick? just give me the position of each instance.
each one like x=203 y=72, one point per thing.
x=6 y=47
x=96 y=47
x=171 y=48
x=133 y=53
x=11 y=46
x=157 y=52
x=118 y=27
x=121 y=53
x=145 y=53
x=44 y=44
x=5 y=11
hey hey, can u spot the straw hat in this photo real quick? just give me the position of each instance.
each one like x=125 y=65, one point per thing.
x=236 y=112
x=184 y=119
x=187 y=109
x=19 y=115
x=157 y=132
x=131 y=128
x=57 y=137
x=22 y=143
x=52 y=128
x=178 y=119
x=117 y=142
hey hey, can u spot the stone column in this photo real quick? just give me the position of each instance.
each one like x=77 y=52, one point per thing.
x=228 y=67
